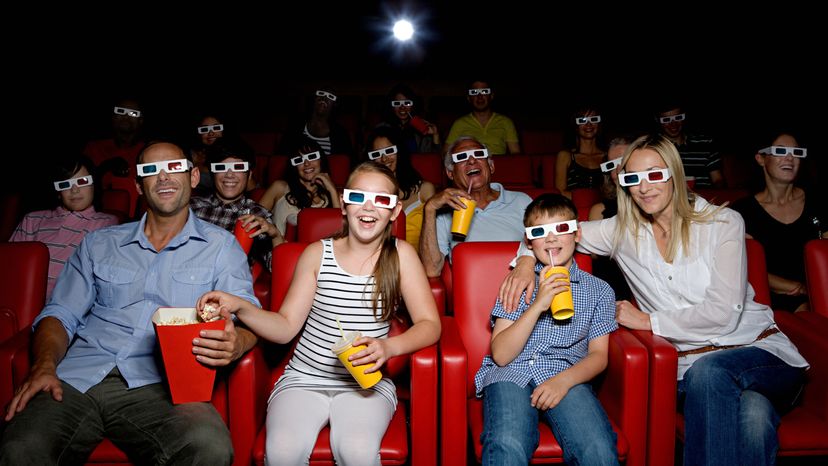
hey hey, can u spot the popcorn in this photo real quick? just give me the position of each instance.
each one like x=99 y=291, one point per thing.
x=209 y=310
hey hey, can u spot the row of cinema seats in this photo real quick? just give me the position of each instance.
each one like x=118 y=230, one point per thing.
x=439 y=418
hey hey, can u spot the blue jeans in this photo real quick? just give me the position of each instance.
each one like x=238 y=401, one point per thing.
x=141 y=421
x=510 y=426
x=731 y=402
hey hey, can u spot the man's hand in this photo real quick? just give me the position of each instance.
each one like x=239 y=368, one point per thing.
x=39 y=380
x=219 y=347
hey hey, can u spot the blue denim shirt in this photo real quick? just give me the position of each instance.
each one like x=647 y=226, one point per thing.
x=552 y=346
x=114 y=282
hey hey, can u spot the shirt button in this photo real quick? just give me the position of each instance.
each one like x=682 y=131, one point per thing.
x=669 y=277
x=192 y=277
x=531 y=362
x=739 y=307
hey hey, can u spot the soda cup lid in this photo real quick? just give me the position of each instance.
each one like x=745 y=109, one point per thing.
x=343 y=344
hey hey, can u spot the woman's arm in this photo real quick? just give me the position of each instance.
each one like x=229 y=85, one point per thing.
x=274 y=192
x=782 y=285
x=422 y=309
x=561 y=169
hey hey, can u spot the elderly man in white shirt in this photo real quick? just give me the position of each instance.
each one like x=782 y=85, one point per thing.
x=686 y=264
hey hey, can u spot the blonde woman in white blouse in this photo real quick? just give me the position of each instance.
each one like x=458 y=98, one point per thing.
x=686 y=264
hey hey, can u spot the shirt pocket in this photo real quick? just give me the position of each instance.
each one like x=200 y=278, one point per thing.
x=116 y=284
x=192 y=282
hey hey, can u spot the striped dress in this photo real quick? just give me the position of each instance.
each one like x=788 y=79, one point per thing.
x=342 y=295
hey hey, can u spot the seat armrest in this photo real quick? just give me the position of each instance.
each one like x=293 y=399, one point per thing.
x=813 y=346
x=623 y=391
x=453 y=394
x=248 y=393
x=661 y=404
x=14 y=363
x=423 y=413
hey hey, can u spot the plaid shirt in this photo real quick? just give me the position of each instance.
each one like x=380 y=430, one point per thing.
x=214 y=210
x=553 y=347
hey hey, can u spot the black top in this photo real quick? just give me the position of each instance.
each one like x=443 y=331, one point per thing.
x=784 y=243
x=605 y=268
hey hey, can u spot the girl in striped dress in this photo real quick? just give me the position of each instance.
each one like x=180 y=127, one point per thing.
x=359 y=278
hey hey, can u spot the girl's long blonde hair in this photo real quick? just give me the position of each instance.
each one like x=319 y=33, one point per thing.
x=387 y=296
x=630 y=216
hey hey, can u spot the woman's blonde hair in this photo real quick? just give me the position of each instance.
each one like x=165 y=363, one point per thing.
x=387 y=296
x=630 y=216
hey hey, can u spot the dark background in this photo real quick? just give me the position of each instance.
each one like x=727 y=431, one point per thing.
x=738 y=78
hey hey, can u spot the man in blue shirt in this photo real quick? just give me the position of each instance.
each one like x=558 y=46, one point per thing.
x=498 y=213
x=95 y=373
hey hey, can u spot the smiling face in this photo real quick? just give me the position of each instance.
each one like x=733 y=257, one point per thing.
x=652 y=198
x=209 y=138
x=588 y=130
x=562 y=247
x=780 y=169
x=402 y=112
x=367 y=222
x=390 y=161
x=674 y=128
x=230 y=185
x=473 y=172
x=167 y=194
x=77 y=198
x=481 y=102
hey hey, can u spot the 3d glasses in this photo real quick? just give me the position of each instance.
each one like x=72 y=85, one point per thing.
x=463 y=156
x=207 y=128
x=483 y=91
x=594 y=119
x=80 y=182
x=223 y=167
x=611 y=165
x=402 y=103
x=669 y=119
x=353 y=196
x=169 y=166
x=558 y=228
x=375 y=154
x=653 y=176
x=300 y=159
x=128 y=112
x=327 y=95
x=782 y=151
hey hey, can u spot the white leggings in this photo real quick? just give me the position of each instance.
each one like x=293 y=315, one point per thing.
x=358 y=422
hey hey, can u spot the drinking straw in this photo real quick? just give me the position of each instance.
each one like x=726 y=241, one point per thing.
x=338 y=324
x=551 y=259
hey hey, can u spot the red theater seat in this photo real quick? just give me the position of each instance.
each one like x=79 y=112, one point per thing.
x=816 y=269
x=430 y=166
x=478 y=270
x=22 y=285
x=315 y=224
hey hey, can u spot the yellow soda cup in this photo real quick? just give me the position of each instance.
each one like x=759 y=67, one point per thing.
x=343 y=348
x=562 y=307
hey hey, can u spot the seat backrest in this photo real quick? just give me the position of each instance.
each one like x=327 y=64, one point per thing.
x=10 y=213
x=584 y=199
x=340 y=167
x=816 y=270
x=276 y=167
x=513 y=170
x=262 y=143
x=478 y=269
x=757 y=271
x=22 y=285
x=430 y=166
x=317 y=223
x=117 y=203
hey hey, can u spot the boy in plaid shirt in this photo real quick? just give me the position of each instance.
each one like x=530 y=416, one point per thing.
x=542 y=366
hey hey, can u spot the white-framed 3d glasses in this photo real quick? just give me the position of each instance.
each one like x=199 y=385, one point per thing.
x=223 y=167
x=131 y=112
x=207 y=128
x=402 y=103
x=482 y=91
x=309 y=157
x=169 y=166
x=669 y=119
x=594 y=119
x=81 y=181
x=782 y=151
x=353 y=196
x=326 y=95
x=652 y=176
x=458 y=157
x=387 y=151
x=611 y=165
x=557 y=228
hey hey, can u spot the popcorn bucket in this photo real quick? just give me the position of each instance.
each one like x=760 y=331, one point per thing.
x=176 y=327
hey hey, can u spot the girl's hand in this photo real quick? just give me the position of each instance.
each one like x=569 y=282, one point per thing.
x=374 y=353
x=631 y=317
x=210 y=304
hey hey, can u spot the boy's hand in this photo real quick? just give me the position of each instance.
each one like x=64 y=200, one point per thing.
x=548 y=394
x=549 y=287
